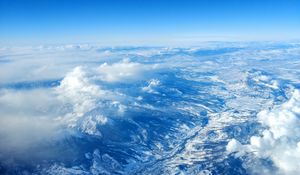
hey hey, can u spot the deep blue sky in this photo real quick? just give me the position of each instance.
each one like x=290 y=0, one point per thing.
x=152 y=21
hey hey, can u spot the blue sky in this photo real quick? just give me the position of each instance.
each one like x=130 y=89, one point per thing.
x=152 y=21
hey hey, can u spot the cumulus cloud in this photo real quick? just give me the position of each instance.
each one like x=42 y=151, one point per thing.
x=77 y=90
x=82 y=90
x=280 y=142
x=35 y=116
x=81 y=87
x=123 y=71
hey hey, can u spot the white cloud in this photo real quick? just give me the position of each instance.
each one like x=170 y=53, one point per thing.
x=81 y=88
x=281 y=140
x=25 y=102
x=81 y=91
x=27 y=121
x=19 y=134
x=77 y=89
x=123 y=71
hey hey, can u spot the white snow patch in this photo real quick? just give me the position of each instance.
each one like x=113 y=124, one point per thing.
x=151 y=85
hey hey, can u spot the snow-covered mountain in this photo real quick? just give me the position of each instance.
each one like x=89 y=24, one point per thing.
x=218 y=108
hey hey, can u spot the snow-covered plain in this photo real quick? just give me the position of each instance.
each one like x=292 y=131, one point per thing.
x=218 y=108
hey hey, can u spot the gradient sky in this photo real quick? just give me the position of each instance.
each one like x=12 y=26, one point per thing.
x=147 y=21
